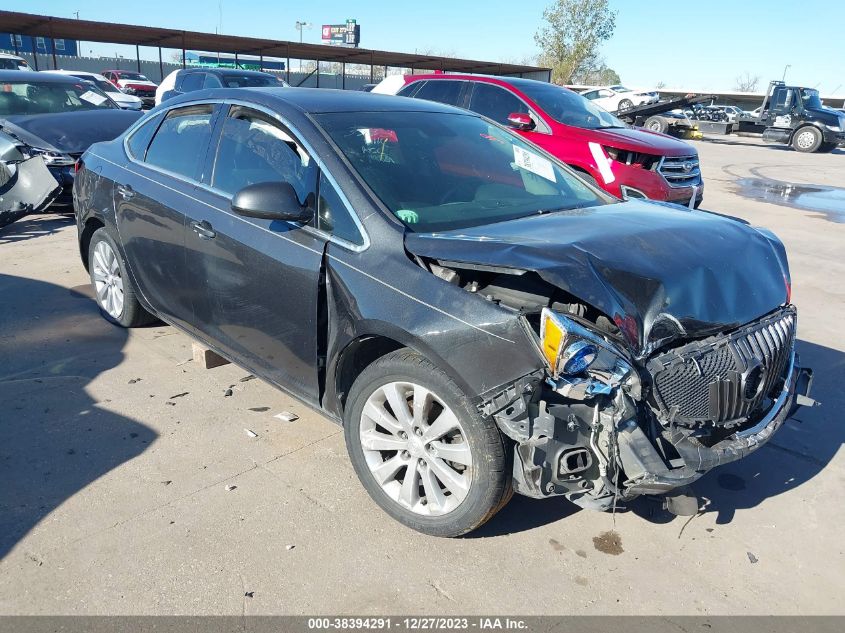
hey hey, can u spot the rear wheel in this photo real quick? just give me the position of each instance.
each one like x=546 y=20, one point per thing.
x=113 y=289
x=807 y=139
x=421 y=450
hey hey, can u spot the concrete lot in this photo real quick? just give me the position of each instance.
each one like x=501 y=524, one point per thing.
x=116 y=453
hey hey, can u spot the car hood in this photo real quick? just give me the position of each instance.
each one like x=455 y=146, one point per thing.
x=136 y=82
x=659 y=271
x=641 y=140
x=69 y=132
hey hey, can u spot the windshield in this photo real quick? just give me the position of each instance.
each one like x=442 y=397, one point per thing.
x=131 y=76
x=811 y=100
x=567 y=107
x=102 y=84
x=438 y=171
x=247 y=81
x=10 y=63
x=34 y=97
x=620 y=89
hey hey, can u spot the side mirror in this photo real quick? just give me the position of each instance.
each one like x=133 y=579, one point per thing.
x=271 y=201
x=520 y=121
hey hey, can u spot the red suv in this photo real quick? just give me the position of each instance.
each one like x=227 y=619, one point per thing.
x=625 y=161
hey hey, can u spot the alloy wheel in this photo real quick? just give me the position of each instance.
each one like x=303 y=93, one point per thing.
x=108 y=281
x=416 y=448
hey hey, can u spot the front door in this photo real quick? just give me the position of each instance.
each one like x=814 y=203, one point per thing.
x=154 y=193
x=256 y=281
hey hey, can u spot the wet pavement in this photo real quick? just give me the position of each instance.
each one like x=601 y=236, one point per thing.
x=828 y=202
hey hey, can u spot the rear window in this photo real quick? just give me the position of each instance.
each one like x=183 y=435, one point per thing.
x=180 y=144
x=247 y=81
x=140 y=138
x=442 y=91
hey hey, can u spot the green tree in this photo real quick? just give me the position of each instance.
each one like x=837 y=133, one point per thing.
x=569 y=41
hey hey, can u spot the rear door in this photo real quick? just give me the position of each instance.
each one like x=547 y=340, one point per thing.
x=256 y=281
x=166 y=157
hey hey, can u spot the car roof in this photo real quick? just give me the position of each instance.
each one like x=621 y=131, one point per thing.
x=72 y=72
x=227 y=71
x=517 y=82
x=29 y=76
x=319 y=100
x=10 y=55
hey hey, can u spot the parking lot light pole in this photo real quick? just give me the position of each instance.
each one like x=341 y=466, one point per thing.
x=138 y=57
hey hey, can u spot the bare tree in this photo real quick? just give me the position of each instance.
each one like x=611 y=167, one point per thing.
x=660 y=84
x=570 y=40
x=746 y=82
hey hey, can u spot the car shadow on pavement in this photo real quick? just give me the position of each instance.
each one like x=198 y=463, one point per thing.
x=799 y=450
x=55 y=439
x=524 y=513
x=31 y=226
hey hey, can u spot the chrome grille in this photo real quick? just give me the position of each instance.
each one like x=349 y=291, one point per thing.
x=723 y=379
x=680 y=171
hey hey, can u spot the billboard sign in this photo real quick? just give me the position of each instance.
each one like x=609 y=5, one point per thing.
x=348 y=34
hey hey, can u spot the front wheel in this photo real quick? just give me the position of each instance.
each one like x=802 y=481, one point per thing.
x=807 y=139
x=625 y=104
x=422 y=451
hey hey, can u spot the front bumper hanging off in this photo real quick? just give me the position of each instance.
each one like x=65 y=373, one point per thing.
x=559 y=452
x=647 y=472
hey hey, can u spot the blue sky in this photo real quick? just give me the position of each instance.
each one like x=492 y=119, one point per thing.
x=677 y=43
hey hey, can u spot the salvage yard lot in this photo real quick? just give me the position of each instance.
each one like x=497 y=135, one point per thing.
x=131 y=485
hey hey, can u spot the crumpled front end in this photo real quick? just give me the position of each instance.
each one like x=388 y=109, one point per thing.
x=621 y=428
x=26 y=184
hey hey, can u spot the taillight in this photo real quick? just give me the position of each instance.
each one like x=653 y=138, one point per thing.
x=78 y=165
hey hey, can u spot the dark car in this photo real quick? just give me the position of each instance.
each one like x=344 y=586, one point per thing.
x=192 y=79
x=478 y=318
x=46 y=122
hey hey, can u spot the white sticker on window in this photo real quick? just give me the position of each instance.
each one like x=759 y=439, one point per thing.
x=92 y=97
x=534 y=163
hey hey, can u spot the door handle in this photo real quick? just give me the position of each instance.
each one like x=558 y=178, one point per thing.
x=203 y=229
x=125 y=191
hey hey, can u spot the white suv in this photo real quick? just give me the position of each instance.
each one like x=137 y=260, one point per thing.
x=617 y=98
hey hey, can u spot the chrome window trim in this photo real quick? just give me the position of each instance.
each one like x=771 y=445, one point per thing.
x=357 y=248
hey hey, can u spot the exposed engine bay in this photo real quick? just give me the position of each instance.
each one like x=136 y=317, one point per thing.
x=601 y=426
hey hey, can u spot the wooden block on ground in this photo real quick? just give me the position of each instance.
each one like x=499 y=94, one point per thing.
x=206 y=358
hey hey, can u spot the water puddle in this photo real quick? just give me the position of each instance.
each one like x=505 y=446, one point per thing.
x=829 y=201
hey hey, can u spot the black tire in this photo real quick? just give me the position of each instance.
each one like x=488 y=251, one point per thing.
x=490 y=487
x=656 y=124
x=827 y=148
x=625 y=104
x=807 y=139
x=132 y=313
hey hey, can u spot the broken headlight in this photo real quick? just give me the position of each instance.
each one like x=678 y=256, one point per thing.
x=51 y=158
x=581 y=362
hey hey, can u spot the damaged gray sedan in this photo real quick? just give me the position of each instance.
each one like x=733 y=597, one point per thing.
x=479 y=319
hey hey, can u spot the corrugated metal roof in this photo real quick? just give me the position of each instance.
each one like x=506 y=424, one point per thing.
x=92 y=31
